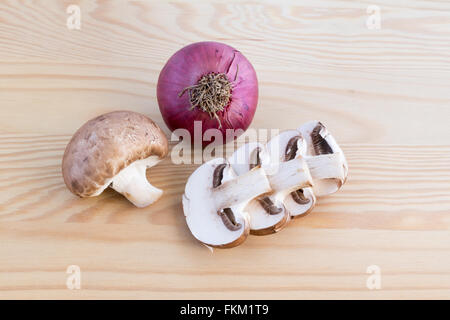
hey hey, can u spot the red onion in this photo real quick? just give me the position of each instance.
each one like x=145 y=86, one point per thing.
x=185 y=89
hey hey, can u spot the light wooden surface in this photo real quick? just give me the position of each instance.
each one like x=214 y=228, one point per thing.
x=383 y=93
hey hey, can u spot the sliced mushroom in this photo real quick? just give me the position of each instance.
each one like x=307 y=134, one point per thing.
x=325 y=158
x=215 y=199
x=286 y=146
x=115 y=149
x=267 y=213
x=253 y=156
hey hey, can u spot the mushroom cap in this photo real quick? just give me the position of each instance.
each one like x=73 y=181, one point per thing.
x=105 y=145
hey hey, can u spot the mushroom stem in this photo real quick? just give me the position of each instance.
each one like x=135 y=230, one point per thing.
x=326 y=166
x=132 y=183
x=242 y=188
x=290 y=176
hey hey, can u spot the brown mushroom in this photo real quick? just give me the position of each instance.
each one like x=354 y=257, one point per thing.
x=114 y=150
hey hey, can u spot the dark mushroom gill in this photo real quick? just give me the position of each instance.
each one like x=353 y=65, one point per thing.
x=227 y=215
x=265 y=202
x=320 y=145
x=289 y=154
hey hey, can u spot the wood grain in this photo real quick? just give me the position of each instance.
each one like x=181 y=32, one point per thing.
x=383 y=93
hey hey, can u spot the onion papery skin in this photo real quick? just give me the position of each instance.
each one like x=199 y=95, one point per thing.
x=186 y=67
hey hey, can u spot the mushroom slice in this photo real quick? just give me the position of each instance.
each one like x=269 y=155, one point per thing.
x=330 y=167
x=214 y=202
x=115 y=149
x=289 y=145
x=267 y=213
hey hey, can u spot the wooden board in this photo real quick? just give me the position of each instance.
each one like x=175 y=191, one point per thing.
x=383 y=93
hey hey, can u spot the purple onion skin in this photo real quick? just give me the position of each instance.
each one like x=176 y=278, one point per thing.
x=186 y=67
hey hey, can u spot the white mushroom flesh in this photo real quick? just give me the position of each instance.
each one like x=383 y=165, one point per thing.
x=132 y=183
x=290 y=144
x=284 y=177
x=331 y=169
x=242 y=161
x=202 y=203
